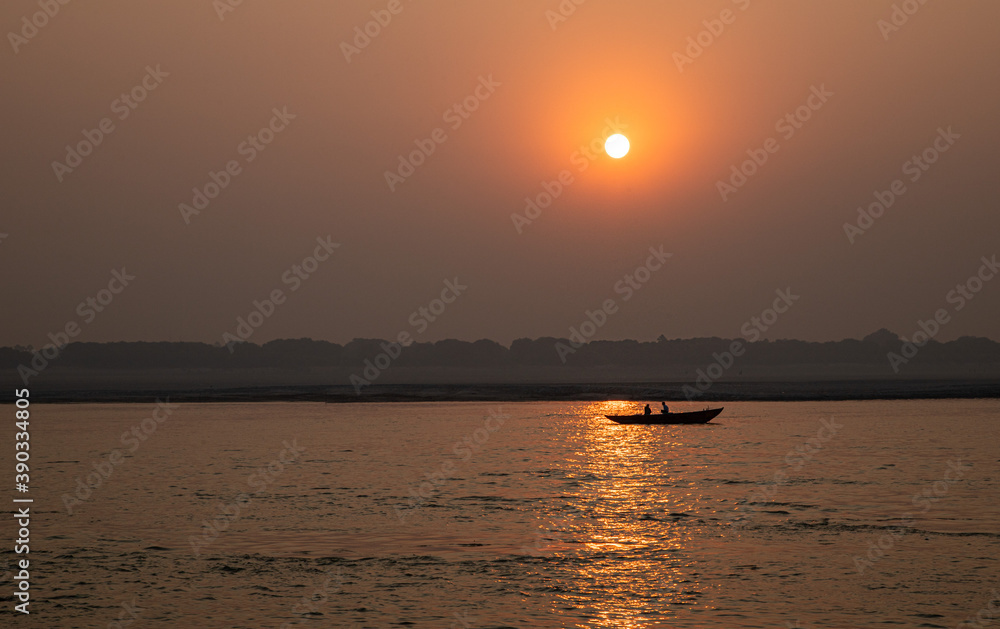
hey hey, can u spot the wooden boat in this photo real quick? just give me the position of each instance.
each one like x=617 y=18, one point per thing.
x=694 y=417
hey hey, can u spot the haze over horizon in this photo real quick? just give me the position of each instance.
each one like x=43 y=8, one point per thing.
x=299 y=122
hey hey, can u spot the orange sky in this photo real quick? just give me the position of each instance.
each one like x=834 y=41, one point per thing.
x=552 y=91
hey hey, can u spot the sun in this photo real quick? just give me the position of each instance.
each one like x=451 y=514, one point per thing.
x=617 y=146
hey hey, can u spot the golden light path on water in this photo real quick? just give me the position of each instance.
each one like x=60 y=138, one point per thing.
x=634 y=559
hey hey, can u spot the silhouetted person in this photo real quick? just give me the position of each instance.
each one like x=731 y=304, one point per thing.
x=665 y=410
x=648 y=411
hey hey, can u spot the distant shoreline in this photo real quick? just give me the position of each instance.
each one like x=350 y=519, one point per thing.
x=719 y=392
x=372 y=370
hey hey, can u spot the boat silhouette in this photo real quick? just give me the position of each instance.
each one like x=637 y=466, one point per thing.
x=693 y=417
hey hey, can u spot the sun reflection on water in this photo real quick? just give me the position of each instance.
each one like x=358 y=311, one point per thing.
x=621 y=521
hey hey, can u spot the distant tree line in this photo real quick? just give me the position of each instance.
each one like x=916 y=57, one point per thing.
x=307 y=353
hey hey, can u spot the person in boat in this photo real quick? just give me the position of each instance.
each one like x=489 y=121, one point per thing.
x=665 y=410
x=648 y=410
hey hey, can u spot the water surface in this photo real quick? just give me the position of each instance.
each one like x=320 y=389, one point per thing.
x=541 y=514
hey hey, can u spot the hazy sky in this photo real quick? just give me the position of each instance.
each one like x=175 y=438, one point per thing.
x=531 y=89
